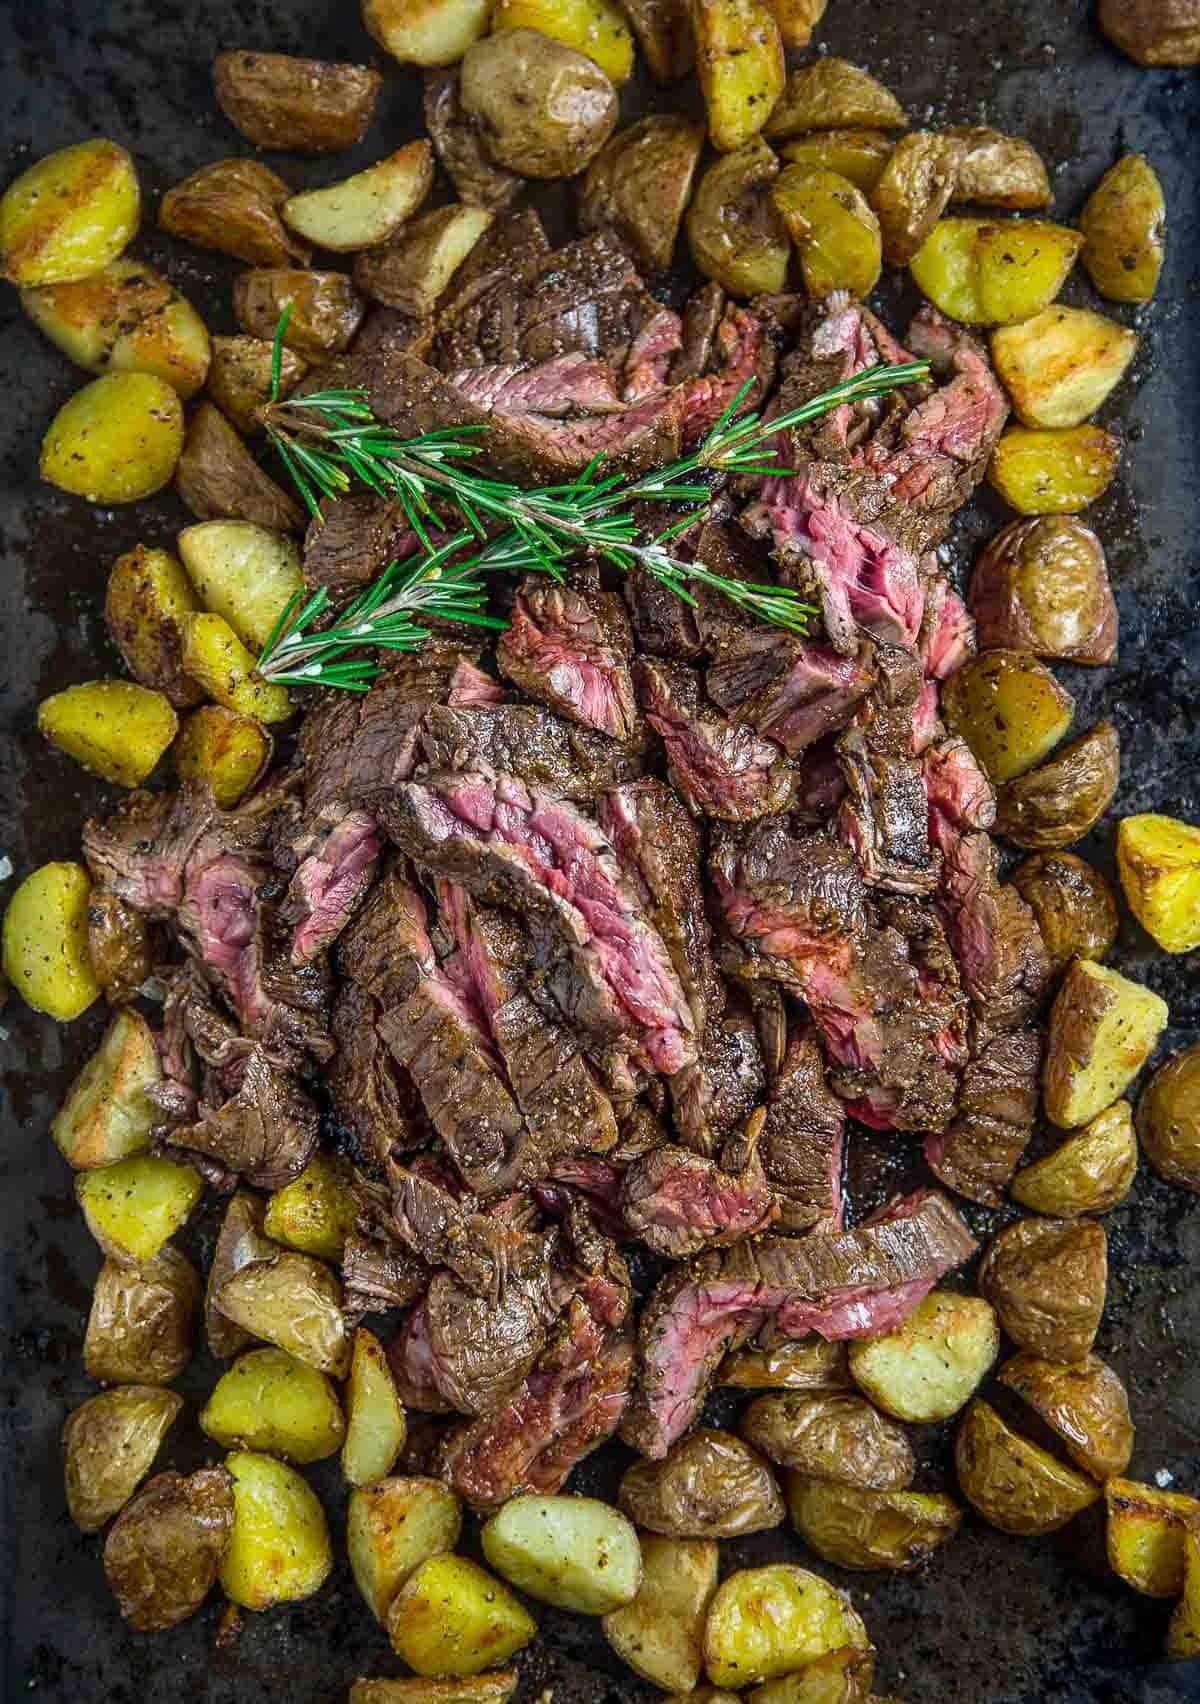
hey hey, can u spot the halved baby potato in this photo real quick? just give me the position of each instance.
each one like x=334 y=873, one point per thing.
x=239 y=379
x=1009 y=708
x=132 y=1207
x=1103 y=1028
x=574 y=1552
x=140 y=1326
x=933 y=1364
x=765 y=1622
x=295 y=1303
x=452 y=1617
x=46 y=953
x=412 y=271
x=833 y=227
x=115 y=441
x=109 y=1445
x=233 y=206
x=375 y=1424
x=1158 y=859
x=1124 y=226
x=994 y=271
x=859 y=155
x=1014 y=1483
x=1053 y=472
x=854 y=1527
x=426 y=32
x=326 y=309
x=107 y=1114
x=147 y=595
x=279 y=1549
x=215 y=656
x=1090 y=1172
x=229 y=751
x=739 y=65
x=1000 y=170
x=660 y=1634
x=809 y=1363
x=316 y=1211
x=913 y=190
x=126 y=318
x=115 y=728
x=1059 y=366
x=392 y=1527
x=246 y=573
x=1084 y=1405
x=270 y=1401
x=68 y=214
x=1183 y=1634
x=367 y=208
x=1146 y=1532
x=735 y=233
x=595 y=27
x=832 y=94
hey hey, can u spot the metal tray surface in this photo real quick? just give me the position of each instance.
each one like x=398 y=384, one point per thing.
x=993 y=1620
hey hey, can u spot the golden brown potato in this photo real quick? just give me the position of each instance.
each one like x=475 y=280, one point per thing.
x=575 y=1552
x=927 y=1368
x=368 y=207
x=1103 y=1028
x=1158 y=858
x=735 y=234
x=239 y=379
x=1125 y=227
x=1042 y=586
x=125 y=318
x=1146 y=1529
x=315 y=1213
x=239 y=1241
x=109 y=1446
x=296 y=106
x=294 y=1302
x=1053 y=472
x=140 y=1327
x=543 y=109
x=466 y=1689
x=46 y=955
x=460 y=149
x=392 y=1527
x=215 y=656
x=1000 y=170
x=244 y=571
x=661 y=1633
x=913 y=189
x=147 y=594
x=595 y=27
x=1183 y=1634
x=946 y=268
x=833 y=227
x=1059 y=366
x=1047 y=1278
x=68 y=214
x=229 y=751
x=118 y=945
x=426 y=32
x=1057 y=804
x=1153 y=32
x=766 y=1622
x=270 y=1401
x=376 y=1428
x=994 y=271
x=640 y=183
x=1074 y=906
x=832 y=94
x=233 y=206
x=132 y=1207
x=809 y=1363
x=165 y=1547
x=279 y=1549
x=452 y=1617
x=115 y=441
x=1085 y=1406
x=218 y=478
x=838 y=1437
x=1092 y=1171
x=1168 y=1119
x=710 y=1485
x=1013 y=1483
x=411 y=273
x=326 y=308
x=857 y=1528
x=664 y=32
x=1010 y=710
x=112 y=727
x=859 y=155
x=108 y=1113
x=740 y=67
x=842 y=1677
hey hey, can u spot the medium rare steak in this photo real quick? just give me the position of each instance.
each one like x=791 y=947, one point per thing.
x=719 y=767
x=530 y=742
x=331 y=883
x=378 y=1276
x=372 y=1098
x=569 y=647
x=718 y=1093
x=980 y=1150
x=678 y=1203
x=794 y=691
x=265 y=1132
x=803 y=1139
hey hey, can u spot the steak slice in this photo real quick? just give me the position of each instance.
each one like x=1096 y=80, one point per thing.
x=568 y=647
x=803 y=1139
x=266 y=1131
x=568 y=385
x=720 y=768
x=372 y=1099
x=481 y=1348
x=387 y=950
x=718 y=1093
x=530 y=742
x=142 y=850
x=377 y=1276
x=330 y=884
x=789 y=689
x=977 y=1154
x=355 y=538
x=678 y=1202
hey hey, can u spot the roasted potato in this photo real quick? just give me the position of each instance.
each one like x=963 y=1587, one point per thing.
x=119 y=942
x=1013 y=1483
x=994 y=271
x=326 y=308
x=856 y=1528
x=660 y=1635
x=233 y=206
x=466 y=1689
x=703 y=1695
x=740 y=67
x=1059 y=366
x=913 y=189
x=797 y=19
x=367 y=208
x=575 y=1552
x=215 y=656
x=452 y=1617
x=1158 y=859
x=1153 y=32
x=999 y=170
x=298 y=106
x=1086 y=1406
x=1146 y=1530
x=1103 y=1028
x=148 y=592
x=279 y=1549
x=1042 y=586
x=1124 y=226
x=709 y=1485
x=928 y=1368
x=114 y=728
x=459 y=146
x=107 y=1114
x=412 y=272
x=229 y=751
x=842 y=1677
x=735 y=233
x=294 y=1302
x=1074 y=906
x=765 y=1622
x=115 y=441
x=595 y=27
x=269 y=1401
x=640 y=183
x=109 y=1446
x=142 y=1319
x=392 y=1527
x=69 y=214
x=859 y=155
x=543 y=109
x=239 y=378
x=165 y=1547
x=1057 y=804
x=838 y=1437
x=218 y=478
x=808 y=1363
x=664 y=32
x=132 y=1207
x=375 y=1425
x=1092 y=1171
x=833 y=227
x=1168 y=1119
x=1053 y=472
x=831 y=94
x=239 y=1241
x=1010 y=710
x=316 y=1211
x=125 y=318
x=46 y=954
x=426 y=32
x=1183 y=1634
x=1046 y=1278
x=244 y=572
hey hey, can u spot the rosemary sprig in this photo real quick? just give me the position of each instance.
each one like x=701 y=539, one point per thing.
x=328 y=440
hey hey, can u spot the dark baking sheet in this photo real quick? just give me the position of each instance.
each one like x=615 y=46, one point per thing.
x=993 y=1619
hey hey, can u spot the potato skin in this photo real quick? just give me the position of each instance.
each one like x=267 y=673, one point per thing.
x=735 y=233
x=710 y=1485
x=1092 y=1171
x=326 y=308
x=1014 y=1484
x=1124 y=226
x=1103 y=1028
x=1010 y=710
x=297 y=106
x=69 y=214
x=834 y=228
x=664 y=34
x=859 y=155
x=411 y=272
x=1058 y=803
x=1145 y=1535
x=1168 y=1119
x=913 y=190
x=46 y=941
x=459 y=147
x=147 y=593
x=125 y=318
x=1086 y=1406
x=239 y=1241
x=861 y=1529
x=1153 y=32
x=543 y=109
x=1042 y=586
x=233 y=206
x=294 y=1302
x=765 y=1622
x=118 y=945
x=1047 y=1278
x=140 y=1327
x=163 y=1552
x=839 y=1438
x=495 y=1688
x=229 y=751
x=999 y=170
x=115 y=441
x=832 y=94
x=640 y=184
x=239 y=378
x=109 y=1446
x=1074 y=905
x=1158 y=860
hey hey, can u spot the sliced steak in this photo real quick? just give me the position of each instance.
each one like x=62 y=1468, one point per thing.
x=267 y=1130
x=142 y=850
x=356 y=537
x=568 y=385
x=471 y=687
x=377 y=1276
x=721 y=768
x=789 y=689
x=977 y=1154
x=330 y=884
x=530 y=742
x=481 y=1348
x=803 y=1139
x=373 y=1100
x=678 y=1203
x=568 y=647
x=716 y=1095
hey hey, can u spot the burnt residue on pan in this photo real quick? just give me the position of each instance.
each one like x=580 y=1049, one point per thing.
x=993 y=1619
